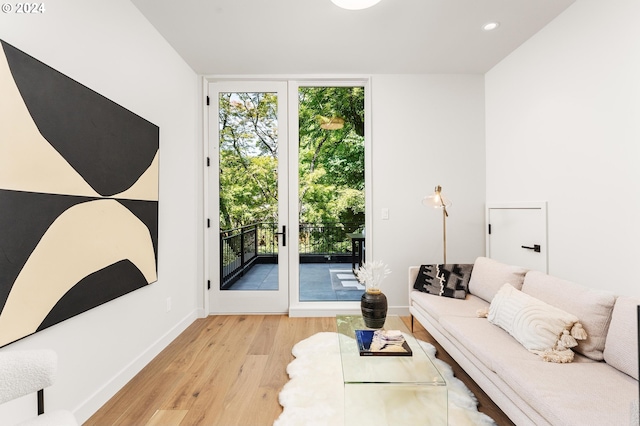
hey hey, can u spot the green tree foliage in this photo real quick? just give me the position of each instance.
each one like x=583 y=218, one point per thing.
x=331 y=169
x=248 y=158
x=331 y=162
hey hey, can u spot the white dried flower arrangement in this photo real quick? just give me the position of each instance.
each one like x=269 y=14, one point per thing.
x=371 y=274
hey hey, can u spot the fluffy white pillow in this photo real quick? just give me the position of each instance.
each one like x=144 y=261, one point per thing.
x=539 y=327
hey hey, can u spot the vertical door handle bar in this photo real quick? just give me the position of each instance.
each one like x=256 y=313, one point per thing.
x=284 y=235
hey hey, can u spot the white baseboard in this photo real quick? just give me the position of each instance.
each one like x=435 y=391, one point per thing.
x=93 y=403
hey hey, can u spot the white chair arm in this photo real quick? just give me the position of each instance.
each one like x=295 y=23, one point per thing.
x=25 y=372
x=413 y=274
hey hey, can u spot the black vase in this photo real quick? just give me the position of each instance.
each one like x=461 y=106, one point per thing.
x=374 y=309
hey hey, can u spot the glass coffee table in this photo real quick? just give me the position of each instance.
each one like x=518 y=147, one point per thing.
x=389 y=390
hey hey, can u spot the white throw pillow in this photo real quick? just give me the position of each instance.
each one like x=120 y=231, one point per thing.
x=539 y=327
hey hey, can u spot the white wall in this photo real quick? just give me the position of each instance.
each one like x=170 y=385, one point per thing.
x=110 y=48
x=563 y=125
x=429 y=130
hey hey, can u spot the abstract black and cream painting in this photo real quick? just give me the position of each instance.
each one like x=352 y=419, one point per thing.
x=78 y=197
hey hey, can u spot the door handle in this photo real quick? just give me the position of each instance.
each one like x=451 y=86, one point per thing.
x=536 y=248
x=284 y=235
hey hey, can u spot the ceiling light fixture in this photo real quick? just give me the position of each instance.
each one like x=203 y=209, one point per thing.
x=333 y=123
x=490 y=26
x=355 y=4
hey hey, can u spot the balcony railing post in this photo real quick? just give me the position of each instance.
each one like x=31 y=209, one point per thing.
x=255 y=239
x=242 y=248
x=222 y=266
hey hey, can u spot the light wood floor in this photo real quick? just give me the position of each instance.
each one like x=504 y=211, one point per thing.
x=228 y=370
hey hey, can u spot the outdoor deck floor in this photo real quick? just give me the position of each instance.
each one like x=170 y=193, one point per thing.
x=318 y=281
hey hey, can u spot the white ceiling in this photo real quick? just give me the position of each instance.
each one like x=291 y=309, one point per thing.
x=316 y=37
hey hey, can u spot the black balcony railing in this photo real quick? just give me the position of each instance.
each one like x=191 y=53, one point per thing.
x=241 y=248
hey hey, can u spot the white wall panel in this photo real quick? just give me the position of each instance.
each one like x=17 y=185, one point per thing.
x=428 y=130
x=562 y=126
x=111 y=48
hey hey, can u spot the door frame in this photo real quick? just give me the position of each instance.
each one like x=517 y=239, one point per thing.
x=211 y=275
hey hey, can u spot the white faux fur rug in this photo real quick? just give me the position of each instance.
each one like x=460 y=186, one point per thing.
x=314 y=395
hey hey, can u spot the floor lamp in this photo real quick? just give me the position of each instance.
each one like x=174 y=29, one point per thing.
x=437 y=200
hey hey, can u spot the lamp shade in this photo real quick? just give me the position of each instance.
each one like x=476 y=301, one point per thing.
x=437 y=200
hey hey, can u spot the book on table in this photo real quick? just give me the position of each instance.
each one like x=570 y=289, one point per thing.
x=382 y=343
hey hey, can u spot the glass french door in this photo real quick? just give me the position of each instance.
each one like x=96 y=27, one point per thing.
x=286 y=194
x=249 y=197
x=329 y=135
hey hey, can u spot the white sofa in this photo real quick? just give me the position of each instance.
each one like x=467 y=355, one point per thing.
x=600 y=386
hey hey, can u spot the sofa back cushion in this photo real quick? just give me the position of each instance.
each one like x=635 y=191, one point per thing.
x=592 y=307
x=489 y=275
x=621 y=347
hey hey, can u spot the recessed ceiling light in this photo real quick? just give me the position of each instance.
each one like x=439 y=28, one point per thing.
x=490 y=26
x=355 y=4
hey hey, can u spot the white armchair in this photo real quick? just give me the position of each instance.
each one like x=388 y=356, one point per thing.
x=25 y=372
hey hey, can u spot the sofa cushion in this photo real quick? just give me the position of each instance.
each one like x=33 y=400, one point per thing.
x=489 y=275
x=621 y=347
x=584 y=392
x=593 y=307
x=490 y=344
x=438 y=306
x=450 y=280
x=537 y=325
